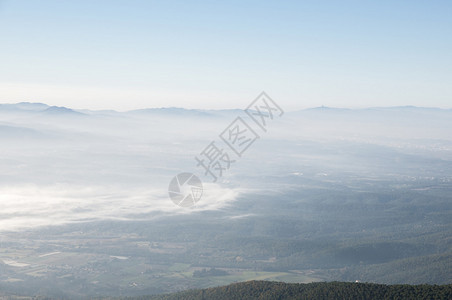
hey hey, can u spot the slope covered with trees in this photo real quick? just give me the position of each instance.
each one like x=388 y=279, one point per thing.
x=318 y=290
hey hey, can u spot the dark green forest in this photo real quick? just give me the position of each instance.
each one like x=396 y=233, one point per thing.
x=317 y=290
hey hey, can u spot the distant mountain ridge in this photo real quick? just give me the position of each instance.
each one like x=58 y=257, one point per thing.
x=37 y=107
x=61 y=110
x=42 y=107
x=24 y=106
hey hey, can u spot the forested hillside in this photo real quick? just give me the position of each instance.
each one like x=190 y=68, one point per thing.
x=318 y=290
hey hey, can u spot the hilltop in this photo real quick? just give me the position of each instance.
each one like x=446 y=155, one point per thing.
x=317 y=290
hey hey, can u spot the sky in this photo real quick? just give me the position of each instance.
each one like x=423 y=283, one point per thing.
x=126 y=55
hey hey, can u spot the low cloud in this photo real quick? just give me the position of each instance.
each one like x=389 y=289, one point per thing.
x=31 y=206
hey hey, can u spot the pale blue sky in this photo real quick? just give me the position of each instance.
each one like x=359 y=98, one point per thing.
x=221 y=54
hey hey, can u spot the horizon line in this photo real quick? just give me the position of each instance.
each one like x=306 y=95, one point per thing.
x=224 y=109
